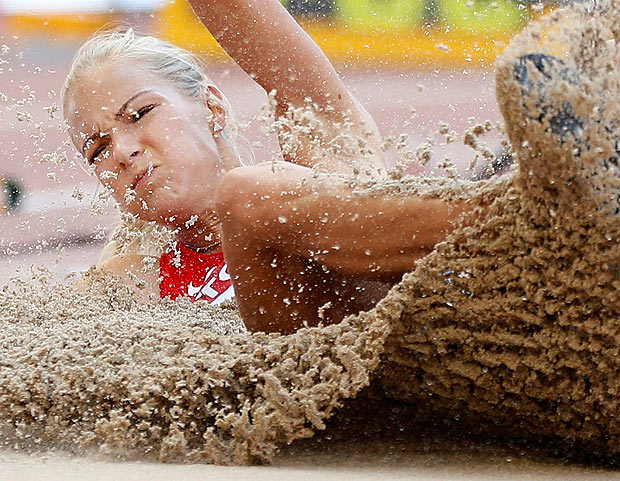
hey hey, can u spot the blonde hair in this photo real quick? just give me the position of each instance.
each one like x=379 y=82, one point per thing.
x=179 y=66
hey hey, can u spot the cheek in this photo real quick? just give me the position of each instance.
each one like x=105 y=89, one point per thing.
x=187 y=143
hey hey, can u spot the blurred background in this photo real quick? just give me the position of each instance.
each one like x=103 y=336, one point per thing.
x=423 y=69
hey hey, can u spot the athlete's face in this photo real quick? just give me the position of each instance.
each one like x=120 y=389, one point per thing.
x=148 y=142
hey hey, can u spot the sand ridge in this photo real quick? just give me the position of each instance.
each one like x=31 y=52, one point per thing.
x=516 y=318
x=98 y=371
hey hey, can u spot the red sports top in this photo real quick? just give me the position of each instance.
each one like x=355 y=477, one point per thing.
x=198 y=276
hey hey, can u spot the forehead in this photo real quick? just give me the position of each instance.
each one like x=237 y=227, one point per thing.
x=99 y=93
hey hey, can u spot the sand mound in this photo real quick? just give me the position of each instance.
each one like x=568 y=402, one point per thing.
x=517 y=318
x=513 y=319
x=179 y=381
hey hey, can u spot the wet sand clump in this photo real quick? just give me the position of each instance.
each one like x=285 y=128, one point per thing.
x=98 y=372
x=514 y=319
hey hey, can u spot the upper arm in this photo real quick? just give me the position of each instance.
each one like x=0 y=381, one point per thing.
x=292 y=210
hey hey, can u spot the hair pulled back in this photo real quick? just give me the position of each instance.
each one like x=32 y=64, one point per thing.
x=177 y=65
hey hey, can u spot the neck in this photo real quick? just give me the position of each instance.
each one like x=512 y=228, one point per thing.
x=203 y=235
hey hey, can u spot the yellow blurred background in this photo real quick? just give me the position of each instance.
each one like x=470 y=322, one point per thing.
x=377 y=32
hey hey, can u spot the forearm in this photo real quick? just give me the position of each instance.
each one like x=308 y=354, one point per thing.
x=364 y=235
x=263 y=38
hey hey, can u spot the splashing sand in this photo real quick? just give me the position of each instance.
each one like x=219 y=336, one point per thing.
x=512 y=321
x=516 y=319
x=176 y=380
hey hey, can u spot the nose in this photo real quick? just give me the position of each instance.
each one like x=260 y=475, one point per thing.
x=126 y=148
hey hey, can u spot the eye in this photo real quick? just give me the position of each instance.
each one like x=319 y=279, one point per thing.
x=97 y=155
x=138 y=114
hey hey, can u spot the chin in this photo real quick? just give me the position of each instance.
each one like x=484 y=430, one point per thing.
x=164 y=204
x=159 y=209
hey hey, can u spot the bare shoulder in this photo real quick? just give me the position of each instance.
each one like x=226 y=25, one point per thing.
x=263 y=181
x=135 y=270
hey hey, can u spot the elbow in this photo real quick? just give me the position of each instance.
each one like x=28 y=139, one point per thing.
x=233 y=194
x=242 y=202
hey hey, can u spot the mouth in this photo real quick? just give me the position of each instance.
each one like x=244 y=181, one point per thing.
x=142 y=177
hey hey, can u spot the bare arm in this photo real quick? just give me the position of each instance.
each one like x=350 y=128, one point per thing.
x=359 y=235
x=263 y=38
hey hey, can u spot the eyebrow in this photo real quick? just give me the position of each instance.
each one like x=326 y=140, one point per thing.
x=121 y=112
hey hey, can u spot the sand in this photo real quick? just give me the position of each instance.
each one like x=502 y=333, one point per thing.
x=509 y=329
x=97 y=371
x=514 y=320
x=366 y=463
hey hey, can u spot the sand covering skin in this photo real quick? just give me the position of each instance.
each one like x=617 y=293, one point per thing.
x=513 y=319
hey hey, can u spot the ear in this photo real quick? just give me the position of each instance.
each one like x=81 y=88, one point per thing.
x=215 y=103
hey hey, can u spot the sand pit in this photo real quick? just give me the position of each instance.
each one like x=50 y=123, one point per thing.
x=98 y=371
x=511 y=325
x=355 y=464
